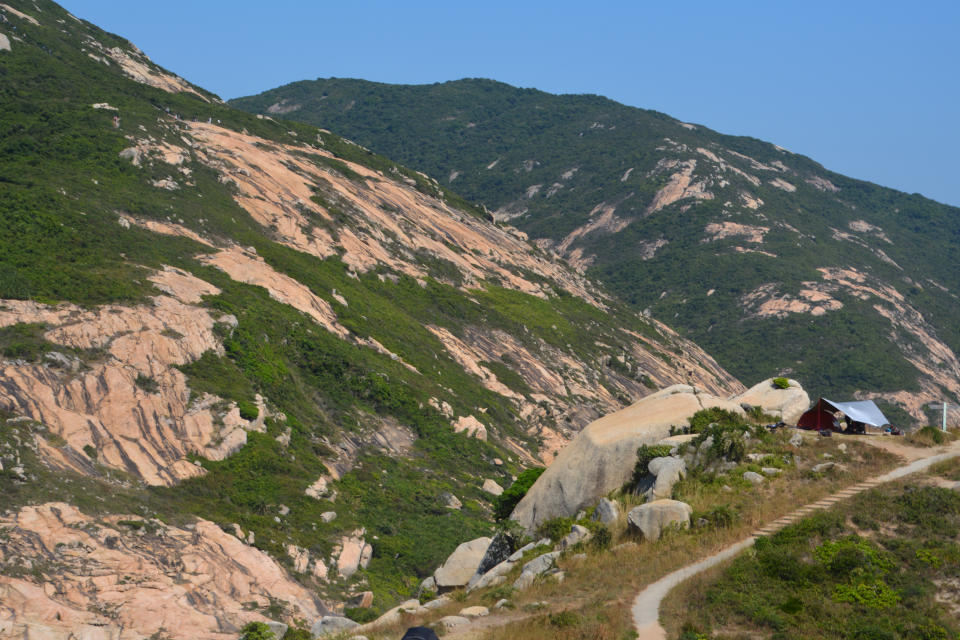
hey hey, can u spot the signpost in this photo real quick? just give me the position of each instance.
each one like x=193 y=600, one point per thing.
x=944 y=406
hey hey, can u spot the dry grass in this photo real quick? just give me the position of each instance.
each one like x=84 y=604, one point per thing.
x=931 y=437
x=599 y=590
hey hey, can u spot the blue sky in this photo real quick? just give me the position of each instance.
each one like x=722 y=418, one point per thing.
x=868 y=89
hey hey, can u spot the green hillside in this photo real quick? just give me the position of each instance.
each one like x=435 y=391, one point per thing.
x=74 y=110
x=699 y=227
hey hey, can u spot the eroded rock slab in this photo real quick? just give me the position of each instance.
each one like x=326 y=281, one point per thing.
x=110 y=577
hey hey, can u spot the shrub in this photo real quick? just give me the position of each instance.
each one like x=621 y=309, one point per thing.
x=874 y=594
x=555 y=528
x=602 y=538
x=720 y=516
x=563 y=619
x=929 y=436
x=257 y=631
x=147 y=383
x=248 y=410
x=506 y=501
x=360 y=614
x=702 y=419
x=781 y=383
x=90 y=451
x=297 y=633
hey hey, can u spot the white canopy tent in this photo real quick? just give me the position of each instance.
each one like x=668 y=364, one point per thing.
x=865 y=411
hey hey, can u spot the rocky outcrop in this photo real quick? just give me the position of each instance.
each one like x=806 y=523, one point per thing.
x=491 y=487
x=461 y=564
x=668 y=471
x=330 y=625
x=601 y=458
x=129 y=403
x=473 y=427
x=607 y=511
x=652 y=518
x=353 y=554
x=95 y=578
x=789 y=404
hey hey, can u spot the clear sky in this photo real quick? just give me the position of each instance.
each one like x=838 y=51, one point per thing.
x=868 y=89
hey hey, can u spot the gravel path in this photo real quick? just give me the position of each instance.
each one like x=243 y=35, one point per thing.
x=646 y=606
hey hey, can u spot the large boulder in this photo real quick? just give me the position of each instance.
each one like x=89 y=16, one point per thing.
x=789 y=403
x=652 y=518
x=501 y=547
x=669 y=471
x=329 y=625
x=461 y=564
x=493 y=577
x=602 y=456
x=607 y=511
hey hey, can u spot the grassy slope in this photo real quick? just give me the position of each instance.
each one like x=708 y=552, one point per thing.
x=869 y=569
x=464 y=126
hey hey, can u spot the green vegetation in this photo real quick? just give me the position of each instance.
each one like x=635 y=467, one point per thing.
x=257 y=631
x=147 y=383
x=705 y=418
x=506 y=501
x=781 y=383
x=820 y=578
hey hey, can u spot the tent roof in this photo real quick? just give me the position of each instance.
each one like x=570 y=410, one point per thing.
x=865 y=411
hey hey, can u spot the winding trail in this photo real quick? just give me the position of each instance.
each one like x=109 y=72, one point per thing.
x=646 y=606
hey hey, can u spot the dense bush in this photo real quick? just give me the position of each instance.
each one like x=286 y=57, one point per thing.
x=504 y=504
x=256 y=631
x=702 y=419
x=555 y=528
x=781 y=383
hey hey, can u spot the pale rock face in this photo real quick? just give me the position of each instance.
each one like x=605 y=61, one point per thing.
x=607 y=511
x=451 y=501
x=443 y=407
x=601 y=458
x=669 y=471
x=4 y=43
x=183 y=583
x=494 y=575
x=354 y=554
x=473 y=427
x=319 y=489
x=319 y=569
x=147 y=432
x=652 y=518
x=329 y=625
x=300 y=557
x=789 y=403
x=753 y=477
x=461 y=564
x=474 y=612
x=491 y=487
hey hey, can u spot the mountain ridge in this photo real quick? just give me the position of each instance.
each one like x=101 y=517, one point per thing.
x=833 y=280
